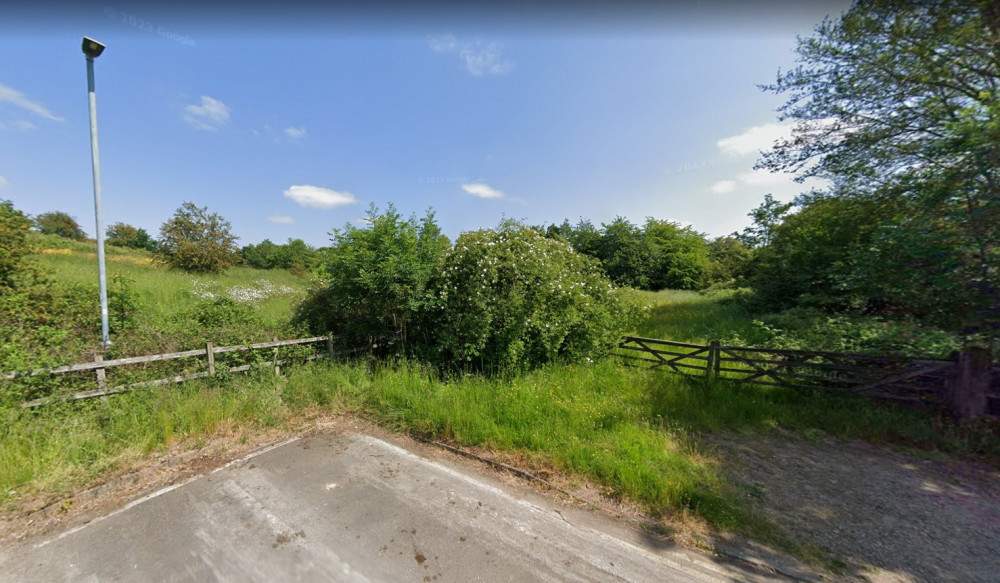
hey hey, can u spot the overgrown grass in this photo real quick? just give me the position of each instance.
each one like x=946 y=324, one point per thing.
x=163 y=303
x=633 y=431
x=697 y=317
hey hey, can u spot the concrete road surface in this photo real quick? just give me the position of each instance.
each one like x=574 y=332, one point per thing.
x=354 y=508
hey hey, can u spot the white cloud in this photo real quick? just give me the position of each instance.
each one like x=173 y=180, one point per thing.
x=724 y=186
x=319 y=197
x=443 y=44
x=212 y=114
x=478 y=57
x=282 y=219
x=482 y=190
x=296 y=133
x=3 y=182
x=755 y=139
x=15 y=97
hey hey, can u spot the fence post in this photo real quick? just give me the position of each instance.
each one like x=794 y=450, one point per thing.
x=277 y=368
x=329 y=346
x=101 y=379
x=210 y=353
x=712 y=369
x=968 y=384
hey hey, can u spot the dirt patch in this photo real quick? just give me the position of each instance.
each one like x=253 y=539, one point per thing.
x=891 y=517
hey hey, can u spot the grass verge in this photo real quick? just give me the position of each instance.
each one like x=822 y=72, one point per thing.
x=632 y=431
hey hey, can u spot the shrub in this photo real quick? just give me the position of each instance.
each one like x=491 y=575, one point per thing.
x=14 y=243
x=376 y=276
x=59 y=223
x=123 y=235
x=512 y=298
x=197 y=241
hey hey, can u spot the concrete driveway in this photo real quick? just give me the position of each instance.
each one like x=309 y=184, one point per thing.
x=354 y=507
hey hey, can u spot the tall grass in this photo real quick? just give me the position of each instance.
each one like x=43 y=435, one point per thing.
x=698 y=317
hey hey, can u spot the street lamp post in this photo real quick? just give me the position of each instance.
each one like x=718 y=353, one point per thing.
x=93 y=49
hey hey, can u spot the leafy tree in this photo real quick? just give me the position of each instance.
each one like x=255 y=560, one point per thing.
x=815 y=256
x=376 y=276
x=627 y=257
x=263 y=255
x=765 y=217
x=729 y=260
x=680 y=255
x=512 y=298
x=295 y=254
x=61 y=224
x=898 y=103
x=14 y=244
x=124 y=235
x=197 y=241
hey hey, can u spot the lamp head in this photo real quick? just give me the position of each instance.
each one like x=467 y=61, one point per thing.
x=92 y=48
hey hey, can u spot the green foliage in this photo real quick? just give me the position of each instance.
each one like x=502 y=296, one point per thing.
x=376 y=276
x=812 y=329
x=512 y=299
x=195 y=240
x=61 y=224
x=661 y=254
x=898 y=104
x=680 y=255
x=729 y=261
x=123 y=235
x=14 y=244
x=811 y=256
x=295 y=254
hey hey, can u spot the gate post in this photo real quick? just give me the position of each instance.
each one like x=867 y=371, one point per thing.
x=968 y=384
x=712 y=369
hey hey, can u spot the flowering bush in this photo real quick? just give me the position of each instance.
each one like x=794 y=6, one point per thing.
x=511 y=298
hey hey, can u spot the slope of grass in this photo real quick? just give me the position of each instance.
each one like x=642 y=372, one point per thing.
x=688 y=316
x=162 y=303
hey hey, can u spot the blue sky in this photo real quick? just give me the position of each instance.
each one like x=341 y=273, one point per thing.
x=290 y=121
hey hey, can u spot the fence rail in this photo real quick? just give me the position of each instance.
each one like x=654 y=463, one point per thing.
x=914 y=380
x=100 y=366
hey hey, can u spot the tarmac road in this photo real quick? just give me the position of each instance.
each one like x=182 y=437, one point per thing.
x=354 y=508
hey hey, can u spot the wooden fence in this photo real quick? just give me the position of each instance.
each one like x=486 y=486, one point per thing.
x=914 y=380
x=100 y=366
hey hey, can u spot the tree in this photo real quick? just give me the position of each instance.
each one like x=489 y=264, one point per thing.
x=197 y=241
x=61 y=224
x=899 y=103
x=14 y=246
x=680 y=255
x=765 y=217
x=729 y=260
x=123 y=235
x=376 y=276
x=263 y=255
x=626 y=256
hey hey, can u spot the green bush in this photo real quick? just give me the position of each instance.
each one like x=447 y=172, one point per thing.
x=197 y=241
x=61 y=224
x=512 y=298
x=14 y=244
x=123 y=235
x=815 y=329
x=376 y=277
